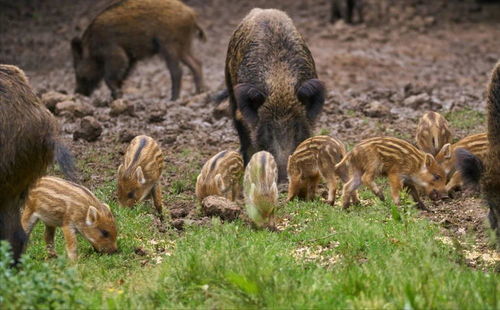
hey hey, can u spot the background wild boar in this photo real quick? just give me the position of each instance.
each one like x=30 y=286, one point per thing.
x=345 y=9
x=474 y=170
x=28 y=145
x=131 y=30
x=433 y=133
x=273 y=88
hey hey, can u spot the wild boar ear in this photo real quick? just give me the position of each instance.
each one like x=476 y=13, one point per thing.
x=219 y=181
x=429 y=159
x=76 y=48
x=92 y=216
x=249 y=99
x=140 y=175
x=312 y=94
x=446 y=151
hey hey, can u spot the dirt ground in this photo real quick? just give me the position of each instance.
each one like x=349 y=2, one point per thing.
x=439 y=51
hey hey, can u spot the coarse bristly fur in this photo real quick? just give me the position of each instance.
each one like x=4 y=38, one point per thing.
x=139 y=175
x=488 y=170
x=221 y=176
x=402 y=163
x=447 y=158
x=60 y=203
x=315 y=158
x=260 y=189
x=29 y=143
x=131 y=30
x=433 y=132
x=274 y=92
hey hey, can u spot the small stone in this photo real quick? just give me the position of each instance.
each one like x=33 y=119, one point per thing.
x=90 y=129
x=222 y=110
x=73 y=109
x=416 y=101
x=376 y=109
x=221 y=207
x=126 y=136
x=51 y=98
x=156 y=116
x=119 y=107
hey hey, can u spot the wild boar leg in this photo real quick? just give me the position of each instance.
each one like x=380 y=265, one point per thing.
x=331 y=183
x=368 y=180
x=335 y=13
x=49 y=240
x=396 y=185
x=116 y=69
x=349 y=188
x=174 y=67
x=245 y=142
x=70 y=238
x=28 y=220
x=157 y=200
x=416 y=197
x=312 y=186
x=195 y=66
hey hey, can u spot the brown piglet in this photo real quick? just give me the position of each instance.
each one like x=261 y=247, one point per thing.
x=313 y=159
x=401 y=162
x=139 y=174
x=221 y=176
x=476 y=144
x=433 y=133
x=60 y=203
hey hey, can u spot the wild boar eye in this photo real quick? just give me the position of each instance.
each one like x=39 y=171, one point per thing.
x=436 y=177
x=130 y=195
x=105 y=233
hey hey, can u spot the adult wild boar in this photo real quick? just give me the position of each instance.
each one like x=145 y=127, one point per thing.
x=131 y=30
x=28 y=143
x=273 y=88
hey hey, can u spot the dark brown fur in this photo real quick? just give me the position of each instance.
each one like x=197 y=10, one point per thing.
x=27 y=131
x=131 y=30
x=471 y=167
x=273 y=87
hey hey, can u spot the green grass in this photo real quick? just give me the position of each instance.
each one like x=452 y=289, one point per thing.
x=372 y=256
x=466 y=119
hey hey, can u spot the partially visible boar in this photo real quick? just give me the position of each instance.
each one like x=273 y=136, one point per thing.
x=475 y=144
x=221 y=176
x=28 y=144
x=401 y=162
x=487 y=171
x=273 y=88
x=60 y=203
x=131 y=30
x=139 y=174
x=345 y=9
x=313 y=159
x=260 y=189
x=433 y=133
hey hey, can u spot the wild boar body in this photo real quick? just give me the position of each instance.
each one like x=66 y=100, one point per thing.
x=274 y=92
x=60 y=203
x=139 y=174
x=315 y=159
x=27 y=140
x=402 y=163
x=131 y=30
x=221 y=176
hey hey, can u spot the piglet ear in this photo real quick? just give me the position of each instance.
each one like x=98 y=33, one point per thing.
x=219 y=182
x=249 y=99
x=447 y=151
x=140 y=176
x=429 y=159
x=312 y=95
x=92 y=216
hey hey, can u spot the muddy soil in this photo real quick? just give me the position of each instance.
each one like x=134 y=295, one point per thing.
x=439 y=51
